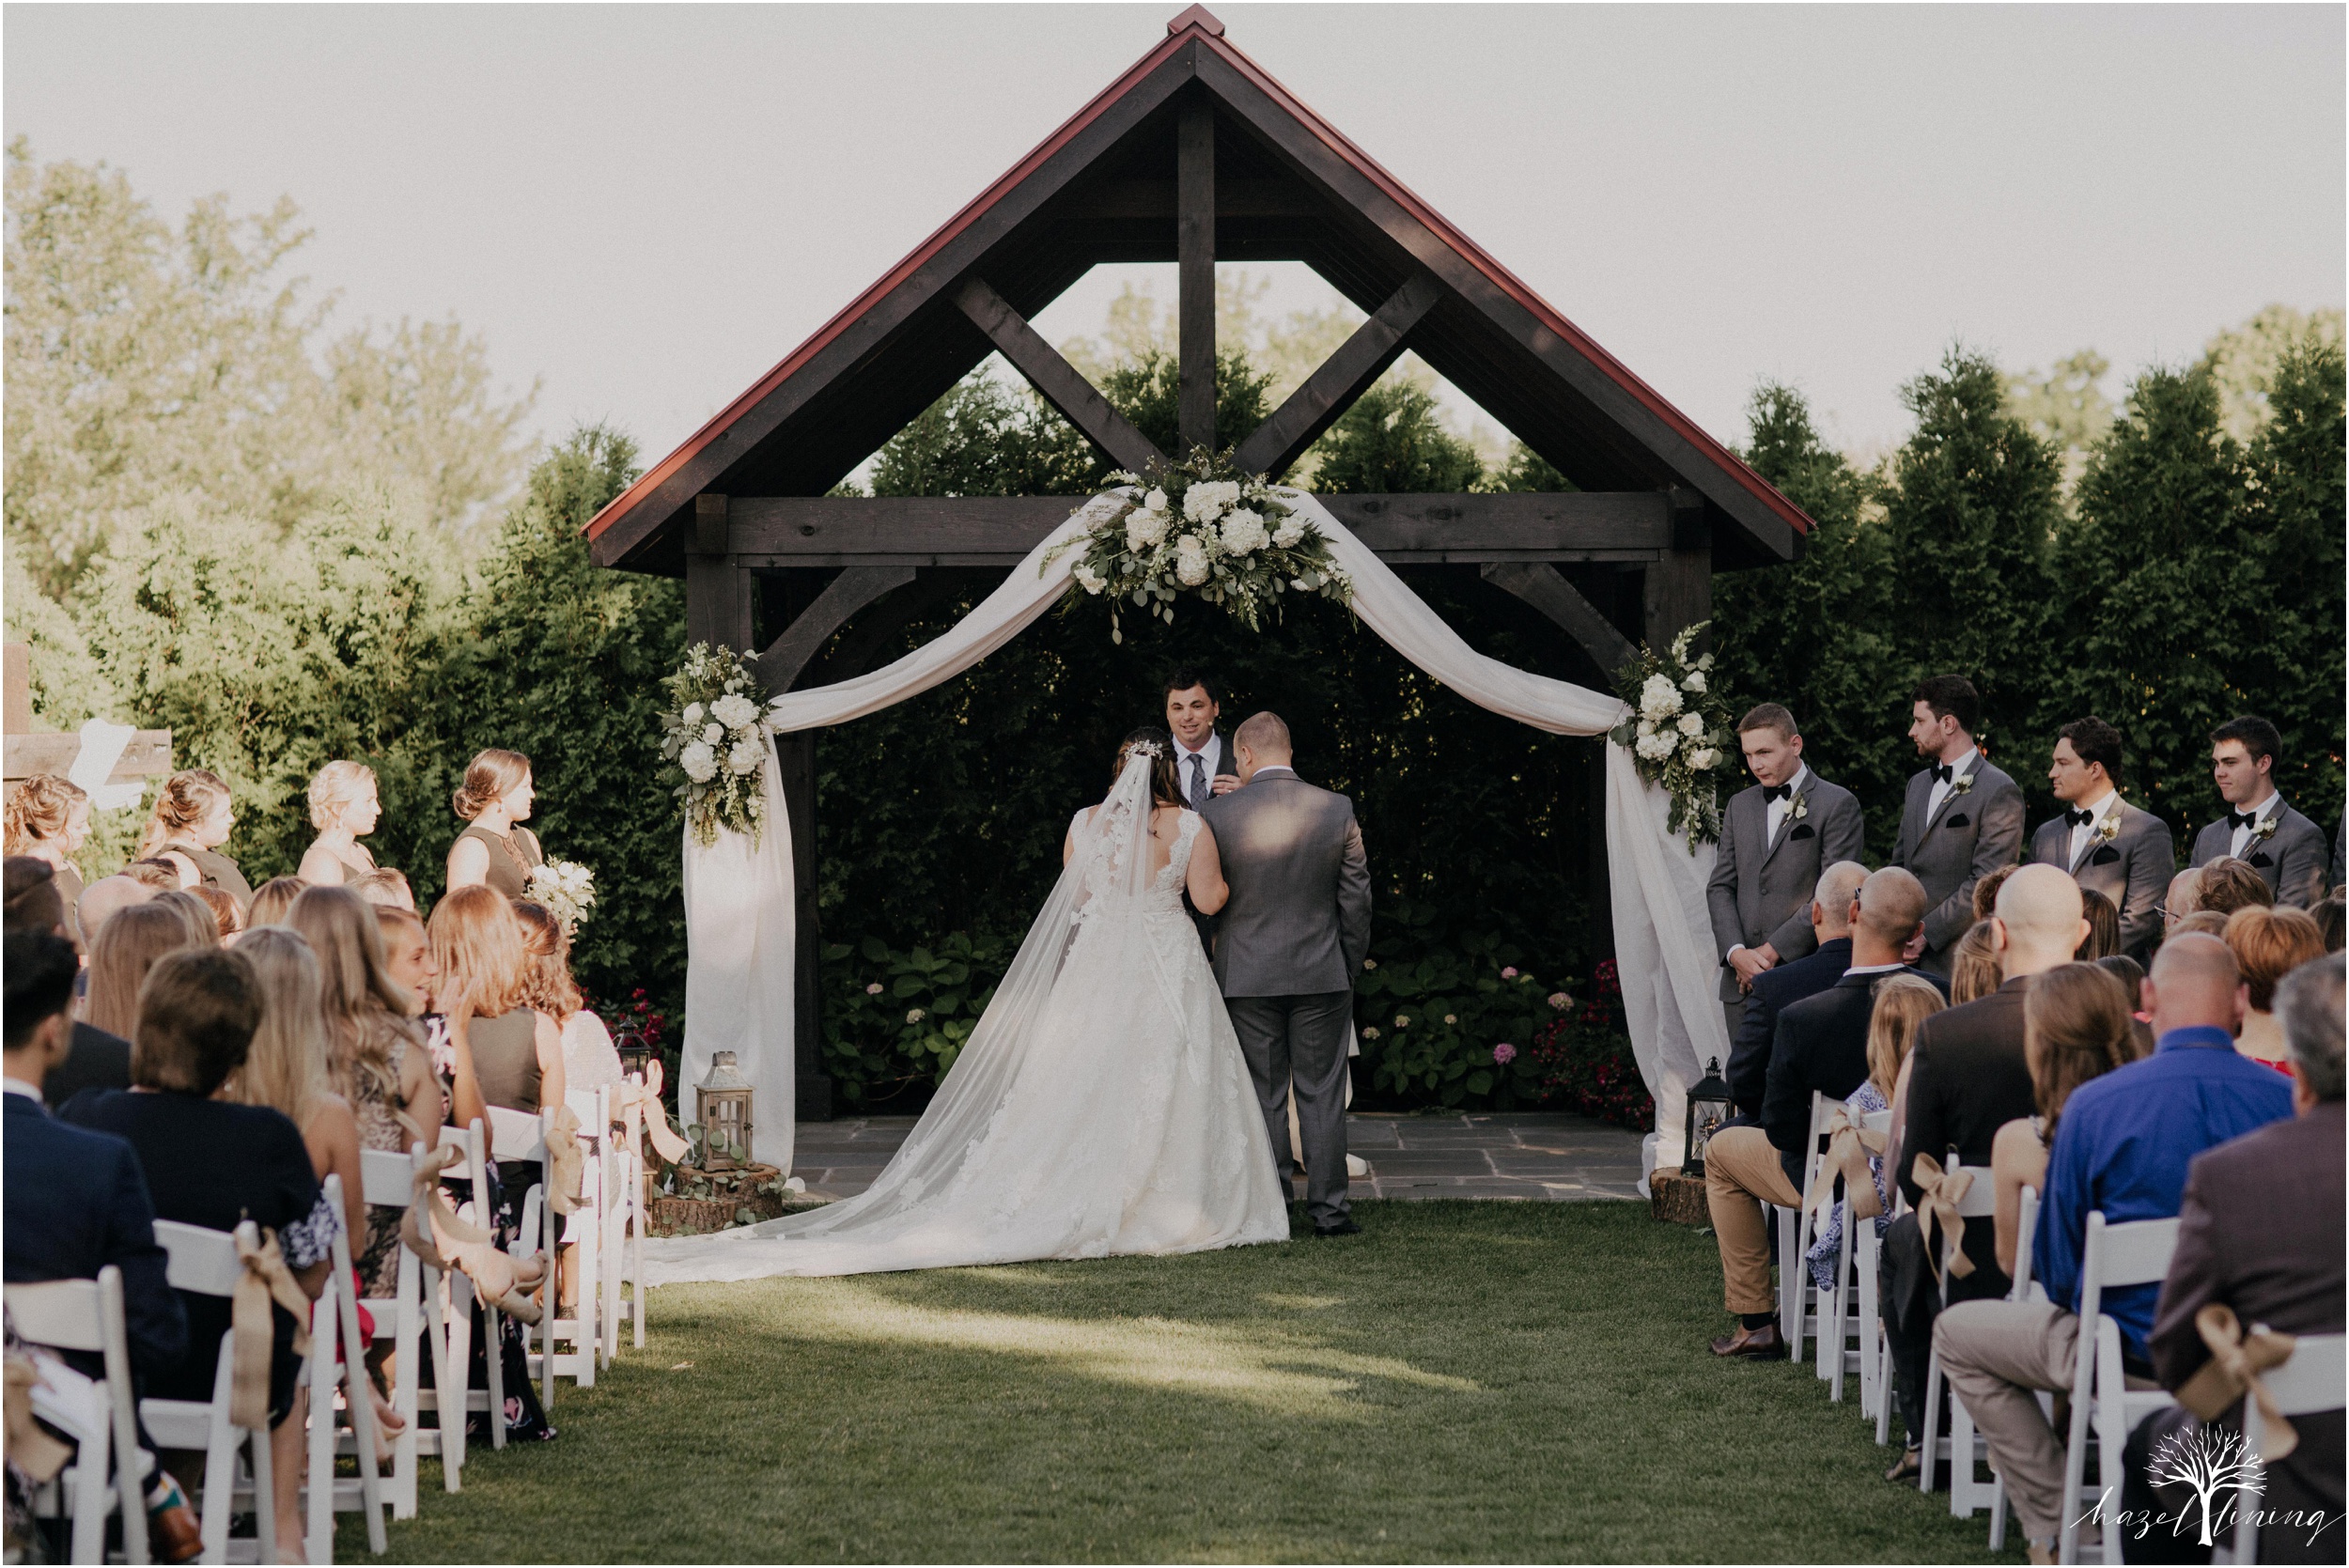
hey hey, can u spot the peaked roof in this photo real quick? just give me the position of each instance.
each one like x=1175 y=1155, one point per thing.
x=1290 y=186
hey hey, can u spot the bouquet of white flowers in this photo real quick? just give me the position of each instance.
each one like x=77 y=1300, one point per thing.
x=1200 y=526
x=566 y=888
x=714 y=738
x=1679 y=730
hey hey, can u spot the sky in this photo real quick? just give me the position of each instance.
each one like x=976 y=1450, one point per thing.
x=643 y=208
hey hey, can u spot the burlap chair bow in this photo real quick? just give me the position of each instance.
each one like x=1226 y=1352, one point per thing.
x=1937 y=1204
x=654 y=1118
x=1849 y=1145
x=444 y=1240
x=566 y=1161
x=266 y=1279
x=2234 y=1368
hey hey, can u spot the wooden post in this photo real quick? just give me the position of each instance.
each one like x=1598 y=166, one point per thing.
x=1194 y=251
x=717 y=590
x=1679 y=588
x=795 y=755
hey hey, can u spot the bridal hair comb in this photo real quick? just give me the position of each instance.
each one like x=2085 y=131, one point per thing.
x=1150 y=749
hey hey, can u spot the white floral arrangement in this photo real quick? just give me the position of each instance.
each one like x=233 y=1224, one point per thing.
x=566 y=888
x=715 y=736
x=1200 y=526
x=1678 y=731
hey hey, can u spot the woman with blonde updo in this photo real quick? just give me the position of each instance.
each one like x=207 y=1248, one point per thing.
x=344 y=808
x=192 y=819
x=507 y=1052
x=495 y=852
x=589 y=1057
x=48 y=818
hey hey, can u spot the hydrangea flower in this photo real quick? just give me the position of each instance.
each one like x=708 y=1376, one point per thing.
x=713 y=733
x=1656 y=746
x=1145 y=528
x=735 y=711
x=699 y=762
x=915 y=1014
x=1702 y=758
x=1190 y=559
x=1509 y=971
x=873 y=990
x=745 y=756
x=1291 y=533
x=1244 y=532
x=1559 y=1002
x=1659 y=698
x=1503 y=1054
x=1692 y=724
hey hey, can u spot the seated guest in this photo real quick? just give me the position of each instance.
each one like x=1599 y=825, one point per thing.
x=191 y=820
x=275 y=899
x=1821 y=1046
x=152 y=873
x=2077 y=1025
x=1773 y=989
x=2178 y=901
x=1968 y=1078
x=2228 y=885
x=94 y=1059
x=2104 y=927
x=2102 y=841
x=2268 y=943
x=1986 y=891
x=2284 y=848
x=2132 y=977
x=2122 y=1150
x=344 y=808
x=101 y=899
x=47 y=820
x=507 y=1052
x=407 y=953
x=2259 y=1231
x=215 y=1164
x=77 y=1201
x=589 y=1057
x=1974 y=964
x=2332 y=918
x=386 y=887
x=1902 y=1003
x=227 y=918
x=2201 y=922
x=203 y=930
x=130 y=943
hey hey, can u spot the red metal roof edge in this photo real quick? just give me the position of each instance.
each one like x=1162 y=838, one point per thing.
x=1339 y=143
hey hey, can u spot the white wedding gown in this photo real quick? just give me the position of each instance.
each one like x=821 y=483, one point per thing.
x=1100 y=1108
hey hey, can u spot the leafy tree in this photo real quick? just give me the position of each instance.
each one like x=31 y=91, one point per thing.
x=2065 y=405
x=1147 y=390
x=1526 y=470
x=1393 y=441
x=2246 y=361
x=986 y=438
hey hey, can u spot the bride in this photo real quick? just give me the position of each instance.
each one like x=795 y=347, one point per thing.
x=1100 y=1108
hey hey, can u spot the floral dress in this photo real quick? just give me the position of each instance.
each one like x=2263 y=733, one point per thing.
x=378 y=1116
x=1864 y=1101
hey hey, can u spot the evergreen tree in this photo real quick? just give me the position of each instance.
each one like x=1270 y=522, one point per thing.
x=1392 y=442
x=1526 y=470
x=986 y=438
x=1147 y=390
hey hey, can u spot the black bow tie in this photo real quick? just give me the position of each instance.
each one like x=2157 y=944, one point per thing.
x=1940 y=771
x=1778 y=792
x=2079 y=818
x=2242 y=820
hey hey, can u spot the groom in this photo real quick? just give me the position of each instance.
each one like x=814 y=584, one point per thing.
x=1288 y=945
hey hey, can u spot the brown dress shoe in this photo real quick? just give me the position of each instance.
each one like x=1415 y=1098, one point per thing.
x=172 y=1535
x=1753 y=1344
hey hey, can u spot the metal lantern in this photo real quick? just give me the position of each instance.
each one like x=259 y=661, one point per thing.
x=723 y=1106
x=1708 y=1108
x=636 y=1053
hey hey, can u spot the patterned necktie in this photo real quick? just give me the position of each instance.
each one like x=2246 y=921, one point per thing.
x=1198 y=782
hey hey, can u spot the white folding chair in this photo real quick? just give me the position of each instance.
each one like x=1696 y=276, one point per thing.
x=455 y=1396
x=2025 y=1288
x=206 y=1263
x=1978 y=1207
x=624 y=1231
x=2135 y=1253
x=518 y=1138
x=584 y=1231
x=87 y=1316
x=1797 y=1296
x=2310 y=1381
x=338 y=1362
x=1855 y=1337
x=413 y=1320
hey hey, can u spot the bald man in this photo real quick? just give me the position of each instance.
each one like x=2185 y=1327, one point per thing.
x=1784 y=984
x=2121 y=1148
x=1820 y=1046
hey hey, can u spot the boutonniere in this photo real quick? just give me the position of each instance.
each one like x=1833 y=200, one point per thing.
x=1962 y=785
x=1799 y=808
x=2110 y=829
x=2265 y=832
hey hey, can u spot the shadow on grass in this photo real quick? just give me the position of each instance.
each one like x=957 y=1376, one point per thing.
x=1465 y=1381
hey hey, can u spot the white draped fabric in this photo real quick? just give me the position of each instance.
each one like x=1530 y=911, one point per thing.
x=740 y=905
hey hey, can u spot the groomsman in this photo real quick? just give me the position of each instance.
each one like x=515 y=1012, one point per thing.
x=2102 y=841
x=1963 y=819
x=2284 y=847
x=1775 y=838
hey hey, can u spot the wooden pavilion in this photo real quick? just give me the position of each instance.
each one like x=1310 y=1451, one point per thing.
x=1195 y=155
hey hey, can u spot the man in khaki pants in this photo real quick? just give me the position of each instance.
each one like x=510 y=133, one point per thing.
x=1821 y=1045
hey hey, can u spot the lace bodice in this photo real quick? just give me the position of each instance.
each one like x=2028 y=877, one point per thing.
x=1104 y=875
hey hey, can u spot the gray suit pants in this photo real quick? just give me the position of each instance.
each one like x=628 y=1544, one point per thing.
x=1302 y=1040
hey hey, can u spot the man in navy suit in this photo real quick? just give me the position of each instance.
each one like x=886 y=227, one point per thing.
x=1779 y=987
x=76 y=1200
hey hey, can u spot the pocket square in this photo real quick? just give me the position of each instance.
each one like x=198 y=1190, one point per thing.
x=2105 y=855
x=2261 y=858
x=1802 y=829
x=1960 y=820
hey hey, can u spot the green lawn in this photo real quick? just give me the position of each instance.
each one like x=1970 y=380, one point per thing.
x=1465 y=1381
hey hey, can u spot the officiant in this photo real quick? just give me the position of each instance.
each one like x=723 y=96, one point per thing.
x=1203 y=763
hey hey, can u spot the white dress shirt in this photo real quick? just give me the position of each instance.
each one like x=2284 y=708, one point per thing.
x=1778 y=809
x=1209 y=756
x=2264 y=812
x=2097 y=811
x=17 y=1086
x=1941 y=787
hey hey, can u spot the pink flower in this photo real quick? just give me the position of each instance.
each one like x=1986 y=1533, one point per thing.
x=1504 y=1053
x=1509 y=973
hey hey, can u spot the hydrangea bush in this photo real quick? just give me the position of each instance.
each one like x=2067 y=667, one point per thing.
x=1679 y=732
x=1200 y=526
x=1582 y=1058
x=713 y=737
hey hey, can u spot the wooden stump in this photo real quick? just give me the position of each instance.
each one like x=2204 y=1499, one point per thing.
x=735 y=1198
x=1677 y=1199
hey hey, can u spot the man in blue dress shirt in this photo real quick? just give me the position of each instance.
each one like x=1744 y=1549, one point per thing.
x=2121 y=1146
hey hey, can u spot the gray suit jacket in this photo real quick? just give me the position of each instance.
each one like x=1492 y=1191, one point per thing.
x=1760 y=892
x=1297 y=922
x=2291 y=861
x=2134 y=870
x=1978 y=829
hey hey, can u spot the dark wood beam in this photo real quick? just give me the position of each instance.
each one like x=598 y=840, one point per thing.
x=996 y=531
x=717 y=589
x=1194 y=266
x=1078 y=400
x=784 y=659
x=1543 y=587
x=1276 y=444
x=1678 y=591
x=1114 y=201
